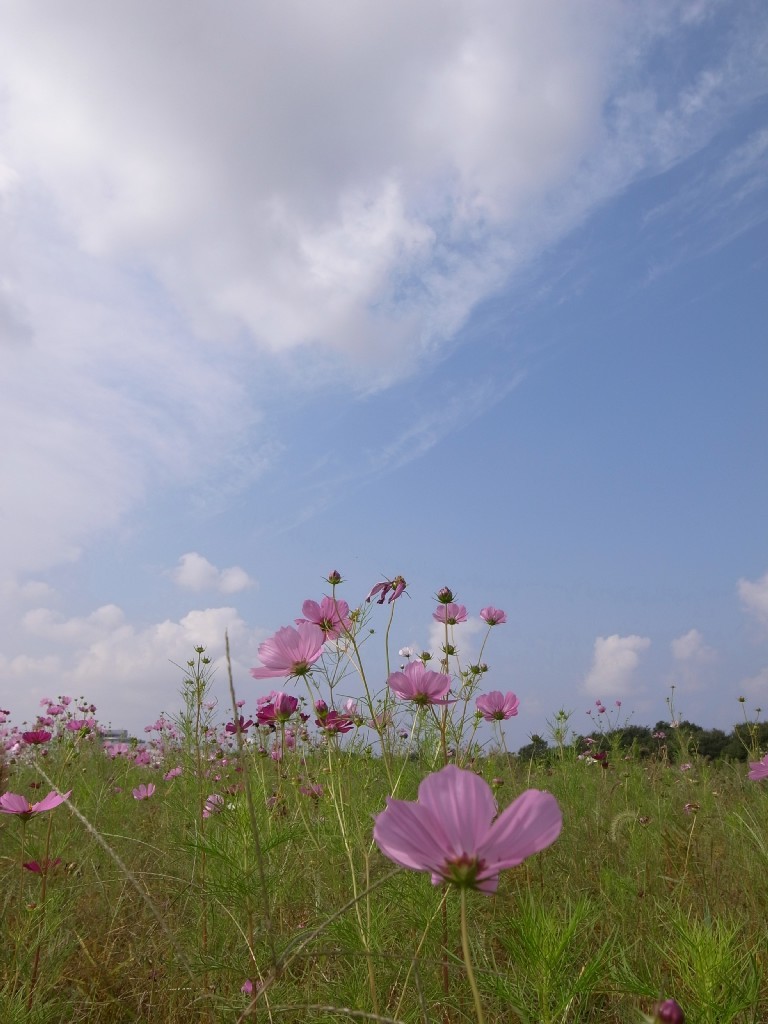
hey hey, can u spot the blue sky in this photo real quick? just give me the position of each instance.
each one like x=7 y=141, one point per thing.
x=475 y=293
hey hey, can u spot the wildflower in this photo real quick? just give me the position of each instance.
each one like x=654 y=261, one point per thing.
x=452 y=614
x=36 y=736
x=213 y=804
x=334 y=723
x=669 y=1012
x=42 y=867
x=445 y=595
x=313 y=789
x=396 y=586
x=144 y=791
x=497 y=706
x=493 y=616
x=290 y=652
x=12 y=803
x=419 y=684
x=239 y=726
x=405 y=652
x=247 y=987
x=686 y=767
x=451 y=833
x=334 y=577
x=330 y=615
x=174 y=773
x=758 y=769
x=350 y=707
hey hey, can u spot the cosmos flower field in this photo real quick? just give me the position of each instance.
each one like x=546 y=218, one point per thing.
x=310 y=855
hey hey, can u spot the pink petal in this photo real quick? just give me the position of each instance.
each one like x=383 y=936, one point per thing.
x=12 y=803
x=462 y=803
x=49 y=802
x=409 y=835
x=528 y=825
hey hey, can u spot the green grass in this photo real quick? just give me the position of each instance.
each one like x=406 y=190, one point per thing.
x=636 y=901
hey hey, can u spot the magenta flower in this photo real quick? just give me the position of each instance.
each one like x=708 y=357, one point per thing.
x=451 y=613
x=419 y=684
x=493 y=616
x=331 y=615
x=497 y=706
x=334 y=723
x=758 y=769
x=241 y=725
x=42 y=868
x=396 y=586
x=451 y=833
x=12 y=803
x=144 y=791
x=290 y=652
x=670 y=1012
x=36 y=736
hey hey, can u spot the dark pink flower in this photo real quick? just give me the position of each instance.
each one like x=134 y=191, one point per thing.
x=670 y=1012
x=12 y=803
x=396 y=586
x=42 y=868
x=497 y=706
x=451 y=613
x=239 y=726
x=493 y=616
x=334 y=723
x=144 y=791
x=36 y=736
x=331 y=615
x=419 y=684
x=758 y=769
x=290 y=652
x=450 y=830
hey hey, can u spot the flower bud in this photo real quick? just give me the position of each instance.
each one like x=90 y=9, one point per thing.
x=669 y=1012
x=445 y=595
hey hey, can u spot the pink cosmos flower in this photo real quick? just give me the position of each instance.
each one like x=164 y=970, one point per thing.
x=418 y=684
x=497 y=706
x=42 y=868
x=396 y=586
x=36 y=736
x=331 y=615
x=213 y=805
x=451 y=613
x=12 y=803
x=144 y=791
x=173 y=773
x=758 y=769
x=493 y=616
x=290 y=652
x=451 y=833
x=334 y=723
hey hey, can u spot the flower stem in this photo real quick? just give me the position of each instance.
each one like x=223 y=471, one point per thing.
x=468 y=961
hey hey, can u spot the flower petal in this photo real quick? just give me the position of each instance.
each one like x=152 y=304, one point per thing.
x=463 y=804
x=530 y=824
x=409 y=835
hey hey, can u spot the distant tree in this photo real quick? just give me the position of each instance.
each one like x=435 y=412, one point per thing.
x=536 y=750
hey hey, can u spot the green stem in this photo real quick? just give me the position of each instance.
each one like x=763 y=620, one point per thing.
x=468 y=960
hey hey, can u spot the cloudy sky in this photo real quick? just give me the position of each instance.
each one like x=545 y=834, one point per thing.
x=469 y=291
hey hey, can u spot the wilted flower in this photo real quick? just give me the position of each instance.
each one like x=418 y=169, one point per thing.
x=419 y=684
x=493 y=616
x=497 y=706
x=451 y=833
x=396 y=586
x=290 y=652
x=13 y=803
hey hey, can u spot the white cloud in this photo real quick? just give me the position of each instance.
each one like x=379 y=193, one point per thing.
x=613 y=665
x=690 y=648
x=756 y=687
x=754 y=597
x=130 y=672
x=196 y=573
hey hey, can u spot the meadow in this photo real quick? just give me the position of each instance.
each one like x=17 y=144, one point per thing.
x=228 y=871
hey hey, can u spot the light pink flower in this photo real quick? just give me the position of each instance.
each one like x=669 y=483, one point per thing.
x=173 y=773
x=450 y=613
x=290 y=652
x=497 y=706
x=451 y=833
x=419 y=684
x=12 y=803
x=758 y=769
x=331 y=615
x=493 y=616
x=144 y=791
x=213 y=805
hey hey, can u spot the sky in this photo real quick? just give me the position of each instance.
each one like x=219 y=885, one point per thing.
x=471 y=291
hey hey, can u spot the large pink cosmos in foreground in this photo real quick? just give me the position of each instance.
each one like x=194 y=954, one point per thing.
x=451 y=833
x=13 y=803
x=290 y=652
x=419 y=684
x=758 y=769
